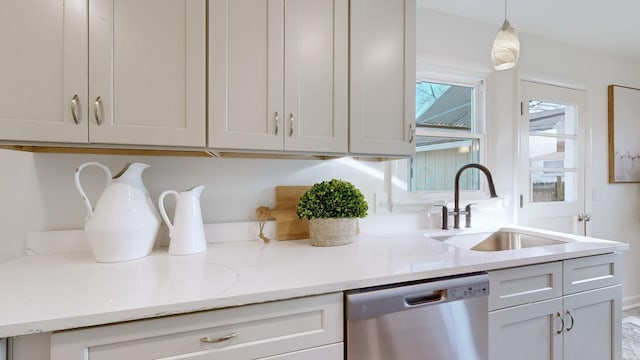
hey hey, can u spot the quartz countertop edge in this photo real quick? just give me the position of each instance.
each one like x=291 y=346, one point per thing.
x=55 y=292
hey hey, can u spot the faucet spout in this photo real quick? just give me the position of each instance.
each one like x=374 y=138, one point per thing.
x=492 y=190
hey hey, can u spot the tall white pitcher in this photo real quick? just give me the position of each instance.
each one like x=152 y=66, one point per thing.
x=187 y=230
x=124 y=223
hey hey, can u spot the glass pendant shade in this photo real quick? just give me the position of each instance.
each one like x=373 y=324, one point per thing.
x=506 y=48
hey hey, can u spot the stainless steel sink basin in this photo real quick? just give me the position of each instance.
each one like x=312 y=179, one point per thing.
x=497 y=241
x=509 y=240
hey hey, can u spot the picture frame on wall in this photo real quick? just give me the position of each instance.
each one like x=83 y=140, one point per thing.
x=624 y=134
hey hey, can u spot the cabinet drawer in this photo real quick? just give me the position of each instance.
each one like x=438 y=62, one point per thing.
x=591 y=272
x=327 y=352
x=260 y=330
x=516 y=286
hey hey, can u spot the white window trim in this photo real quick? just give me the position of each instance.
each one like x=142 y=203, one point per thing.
x=400 y=199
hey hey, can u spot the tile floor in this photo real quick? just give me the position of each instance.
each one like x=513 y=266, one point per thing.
x=631 y=334
x=631 y=312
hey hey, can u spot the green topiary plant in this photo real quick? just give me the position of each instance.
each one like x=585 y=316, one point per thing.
x=332 y=199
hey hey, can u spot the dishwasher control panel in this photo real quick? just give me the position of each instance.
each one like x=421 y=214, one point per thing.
x=467 y=291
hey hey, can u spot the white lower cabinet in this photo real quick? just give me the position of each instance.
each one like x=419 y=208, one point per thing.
x=333 y=351
x=595 y=324
x=529 y=320
x=525 y=332
x=305 y=328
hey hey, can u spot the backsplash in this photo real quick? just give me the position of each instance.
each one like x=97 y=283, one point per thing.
x=43 y=196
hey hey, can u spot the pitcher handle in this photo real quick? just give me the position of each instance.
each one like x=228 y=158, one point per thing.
x=163 y=212
x=87 y=203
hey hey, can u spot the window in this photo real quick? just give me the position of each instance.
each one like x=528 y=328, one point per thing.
x=448 y=135
x=551 y=150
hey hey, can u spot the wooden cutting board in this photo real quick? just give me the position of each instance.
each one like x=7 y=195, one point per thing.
x=288 y=227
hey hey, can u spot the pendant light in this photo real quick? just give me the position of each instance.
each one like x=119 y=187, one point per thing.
x=506 y=46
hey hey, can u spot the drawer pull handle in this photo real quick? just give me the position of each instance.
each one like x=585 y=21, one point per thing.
x=291 y=122
x=209 y=340
x=75 y=104
x=98 y=111
x=572 y=321
x=562 y=325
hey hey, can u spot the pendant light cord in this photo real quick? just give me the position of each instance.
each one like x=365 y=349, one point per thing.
x=505 y=9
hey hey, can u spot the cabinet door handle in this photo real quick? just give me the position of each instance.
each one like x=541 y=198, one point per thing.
x=291 y=122
x=412 y=133
x=572 y=320
x=98 y=111
x=559 y=316
x=277 y=120
x=75 y=107
x=209 y=340
x=584 y=217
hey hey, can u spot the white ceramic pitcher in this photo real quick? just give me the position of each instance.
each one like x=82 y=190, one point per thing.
x=186 y=233
x=124 y=223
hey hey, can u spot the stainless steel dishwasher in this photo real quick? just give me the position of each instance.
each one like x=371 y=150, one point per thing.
x=444 y=319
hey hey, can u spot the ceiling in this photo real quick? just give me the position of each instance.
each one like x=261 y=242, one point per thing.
x=610 y=26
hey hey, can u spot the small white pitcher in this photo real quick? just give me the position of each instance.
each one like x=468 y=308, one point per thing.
x=187 y=231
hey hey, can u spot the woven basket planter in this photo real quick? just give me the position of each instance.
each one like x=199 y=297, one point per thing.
x=333 y=231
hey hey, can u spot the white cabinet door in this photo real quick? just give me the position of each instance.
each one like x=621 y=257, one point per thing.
x=382 y=74
x=593 y=324
x=528 y=332
x=246 y=74
x=147 y=72
x=44 y=68
x=277 y=90
x=316 y=75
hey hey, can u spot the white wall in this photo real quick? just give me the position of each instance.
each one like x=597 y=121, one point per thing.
x=17 y=179
x=448 y=42
x=234 y=188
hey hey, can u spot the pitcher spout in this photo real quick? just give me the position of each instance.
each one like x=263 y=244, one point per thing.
x=132 y=170
x=197 y=191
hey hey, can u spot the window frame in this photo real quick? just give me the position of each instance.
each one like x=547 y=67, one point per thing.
x=402 y=200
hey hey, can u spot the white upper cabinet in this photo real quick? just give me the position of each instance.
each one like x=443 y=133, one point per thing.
x=147 y=72
x=382 y=75
x=133 y=72
x=43 y=70
x=278 y=75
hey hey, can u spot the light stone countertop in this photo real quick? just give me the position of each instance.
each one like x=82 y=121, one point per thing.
x=51 y=292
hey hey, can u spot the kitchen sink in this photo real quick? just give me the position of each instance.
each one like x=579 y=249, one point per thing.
x=497 y=241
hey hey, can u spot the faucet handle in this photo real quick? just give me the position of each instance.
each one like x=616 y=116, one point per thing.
x=445 y=217
x=467 y=215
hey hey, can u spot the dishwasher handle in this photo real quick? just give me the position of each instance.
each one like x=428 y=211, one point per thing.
x=425 y=299
x=369 y=303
